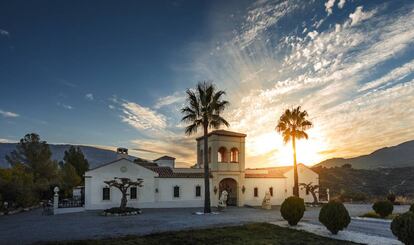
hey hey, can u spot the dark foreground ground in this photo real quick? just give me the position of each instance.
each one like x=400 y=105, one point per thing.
x=30 y=227
x=257 y=233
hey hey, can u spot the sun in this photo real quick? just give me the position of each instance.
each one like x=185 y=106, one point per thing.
x=271 y=147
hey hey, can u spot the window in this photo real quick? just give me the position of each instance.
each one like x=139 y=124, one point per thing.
x=271 y=191
x=176 y=191
x=256 y=192
x=201 y=157
x=105 y=193
x=198 y=191
x=133 y=193
x=234 y=155
x=307 y=191
x=222 y=154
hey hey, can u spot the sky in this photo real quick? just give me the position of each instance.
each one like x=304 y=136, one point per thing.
x=114 y=73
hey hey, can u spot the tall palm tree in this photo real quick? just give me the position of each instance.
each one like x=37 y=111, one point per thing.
x=204 y=106
x=292 y=125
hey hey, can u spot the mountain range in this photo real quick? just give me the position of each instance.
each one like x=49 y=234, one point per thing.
x=398 y=156
x=401 y=155
x=96 y=156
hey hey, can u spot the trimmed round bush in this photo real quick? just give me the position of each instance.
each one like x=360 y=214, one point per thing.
x=412 y=208
x=403 y=227
x=292 y=210
x=383 y=208
x=334 y=216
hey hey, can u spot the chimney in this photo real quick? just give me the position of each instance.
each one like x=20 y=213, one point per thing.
x=122 y=153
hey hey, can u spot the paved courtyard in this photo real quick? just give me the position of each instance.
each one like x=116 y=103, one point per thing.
x=25 y=228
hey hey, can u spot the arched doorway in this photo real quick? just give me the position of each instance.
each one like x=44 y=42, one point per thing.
x=230 y=185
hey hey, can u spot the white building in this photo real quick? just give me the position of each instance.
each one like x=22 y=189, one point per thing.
x=166 y=186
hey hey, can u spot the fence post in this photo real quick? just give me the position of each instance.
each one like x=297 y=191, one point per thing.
x=55 y=200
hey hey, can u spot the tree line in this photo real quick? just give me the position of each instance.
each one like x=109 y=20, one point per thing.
x=33 y=173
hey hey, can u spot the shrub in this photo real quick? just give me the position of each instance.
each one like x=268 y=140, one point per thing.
x=383 y=208
x=391 y=197
x=334 y=216
x=403 y=227
x=292 y=209
x=412 y=208
x=353 y=196
x=370 y=215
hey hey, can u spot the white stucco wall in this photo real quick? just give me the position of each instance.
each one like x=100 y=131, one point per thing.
x=166 y=162
x=94 y=183
x=147 y=195
x=263 y=185
x=305 y=175
x=165 y=198
x=158 y=192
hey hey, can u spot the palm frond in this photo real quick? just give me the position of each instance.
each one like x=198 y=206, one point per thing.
x=293 y=123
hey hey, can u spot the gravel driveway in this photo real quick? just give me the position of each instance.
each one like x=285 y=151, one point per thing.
x=25 y=228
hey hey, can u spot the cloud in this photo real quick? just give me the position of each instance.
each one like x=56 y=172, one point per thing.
x=323 y=74
x=329 y=5
x=67 y=107
x=4 y=141
x=142 y=118
x=176 y=97
x=4 y=33
x=112 y=107
x=341 y=4
x=261 y=17
x=89 y=96
x=8 y=114
x=359 y=15
x=391 y=77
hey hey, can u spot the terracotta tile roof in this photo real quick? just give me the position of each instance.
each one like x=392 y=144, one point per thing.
x=224 y=133
x=272 y=172
x=146 y=164
x=269 y=175
x=167 y=172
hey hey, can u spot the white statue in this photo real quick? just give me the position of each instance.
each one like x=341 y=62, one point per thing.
x=266 y=201
x=222 y=204
x=327 y=194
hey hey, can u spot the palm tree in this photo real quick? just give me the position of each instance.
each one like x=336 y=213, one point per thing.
x=292 y=125
x=204 y=106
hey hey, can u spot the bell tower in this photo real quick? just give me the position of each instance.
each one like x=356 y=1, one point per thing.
x=226 y=155
x=226 y=151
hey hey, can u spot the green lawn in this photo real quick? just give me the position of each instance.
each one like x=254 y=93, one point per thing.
x=258 y=233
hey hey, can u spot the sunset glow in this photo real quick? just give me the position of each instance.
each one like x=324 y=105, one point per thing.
x=349 y=65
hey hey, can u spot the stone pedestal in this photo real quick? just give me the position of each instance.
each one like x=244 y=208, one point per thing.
x=55 y=200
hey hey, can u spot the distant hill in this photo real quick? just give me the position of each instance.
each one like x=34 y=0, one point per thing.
x=96 y=156
x=357 y=183
x=398 y=156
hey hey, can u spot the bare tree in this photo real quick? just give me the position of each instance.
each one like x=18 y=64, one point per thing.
x=123 y=184
x=313 y=189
